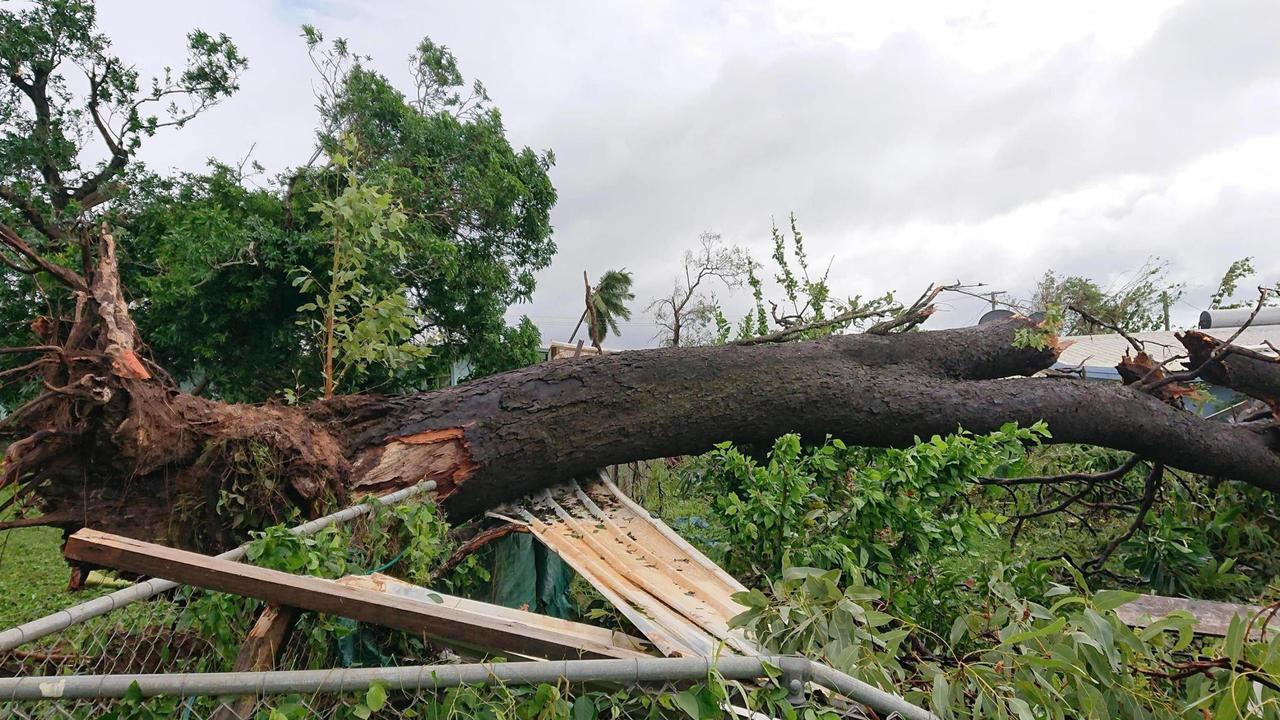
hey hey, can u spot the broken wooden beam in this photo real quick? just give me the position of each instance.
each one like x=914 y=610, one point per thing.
x=260 y=651
x=268 y=636
x=489 y=633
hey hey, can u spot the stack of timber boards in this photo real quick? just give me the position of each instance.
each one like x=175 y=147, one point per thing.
x=464 y=624
x=673 y=594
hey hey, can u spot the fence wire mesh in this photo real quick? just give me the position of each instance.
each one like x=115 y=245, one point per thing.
x=189 y=630
x=543 y=701
x=195 y=630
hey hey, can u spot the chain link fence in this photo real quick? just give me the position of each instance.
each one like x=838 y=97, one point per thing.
x=186 y=629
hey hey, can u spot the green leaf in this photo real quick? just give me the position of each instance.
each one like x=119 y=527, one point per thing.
x=959 y=627
x=1052 y=628
x=1111 y=599
x=1022 y=709
x=134 y=692
x=1234 y=642
x=583 y=708
x=941 y=695
x=688 y=702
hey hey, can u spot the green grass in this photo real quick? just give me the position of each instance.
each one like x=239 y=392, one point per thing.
x=33 y=575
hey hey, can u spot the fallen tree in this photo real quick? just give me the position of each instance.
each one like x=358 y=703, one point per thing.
x=108 y=440
x=112 y=443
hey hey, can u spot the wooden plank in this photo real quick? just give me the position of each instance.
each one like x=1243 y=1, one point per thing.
x=624 y=643
x=654 y=525
x=647 y=537
x=664 y=584
x=448 y=625
x=1212 y=618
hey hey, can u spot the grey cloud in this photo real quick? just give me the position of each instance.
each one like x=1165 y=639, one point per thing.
x=878 y=142
x=903 y=165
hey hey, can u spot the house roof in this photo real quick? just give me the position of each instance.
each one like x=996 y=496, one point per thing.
x=1105 y=351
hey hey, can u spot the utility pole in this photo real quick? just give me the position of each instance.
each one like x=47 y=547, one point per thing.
x=1164 y=302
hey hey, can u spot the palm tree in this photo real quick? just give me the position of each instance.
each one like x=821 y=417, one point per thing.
x=606 y=303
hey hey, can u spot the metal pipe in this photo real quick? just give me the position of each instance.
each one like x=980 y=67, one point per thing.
x=63 y=619
x=634 y=671
x=869 y=695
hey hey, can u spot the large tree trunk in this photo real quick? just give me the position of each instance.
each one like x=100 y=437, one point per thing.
x=504 y=435
x=112 y=446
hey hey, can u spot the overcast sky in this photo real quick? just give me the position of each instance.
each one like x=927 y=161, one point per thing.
x=916 y=142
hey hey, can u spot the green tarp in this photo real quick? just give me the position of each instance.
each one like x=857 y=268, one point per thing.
x=528 y=576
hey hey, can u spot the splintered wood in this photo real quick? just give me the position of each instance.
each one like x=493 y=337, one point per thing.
x=673 y=594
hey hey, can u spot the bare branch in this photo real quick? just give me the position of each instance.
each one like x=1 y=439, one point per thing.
x=29 y=348
x=790 y=332
x=22 y=370
x=1149 y=491
x=95 y=88
x=1091 y=478
x=1137 y=344
x=30 y=212
x=1071 y=500
x=9 y=237
x=919 y=311
x=37 y=92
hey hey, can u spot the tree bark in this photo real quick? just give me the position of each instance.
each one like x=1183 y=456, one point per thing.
x=111 y=446
x=1250 y=372
x=505 y=435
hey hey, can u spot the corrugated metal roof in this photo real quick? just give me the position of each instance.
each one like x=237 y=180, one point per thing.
x=1106 y=350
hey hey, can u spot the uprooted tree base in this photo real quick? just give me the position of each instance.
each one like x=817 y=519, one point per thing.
x=112 y=444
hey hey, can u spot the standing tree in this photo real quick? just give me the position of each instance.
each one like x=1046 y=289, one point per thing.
x=210 y=258
x=605 y=303
x=687 y=315
x=359 y=326
x=478 y=210
x=50 y=183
